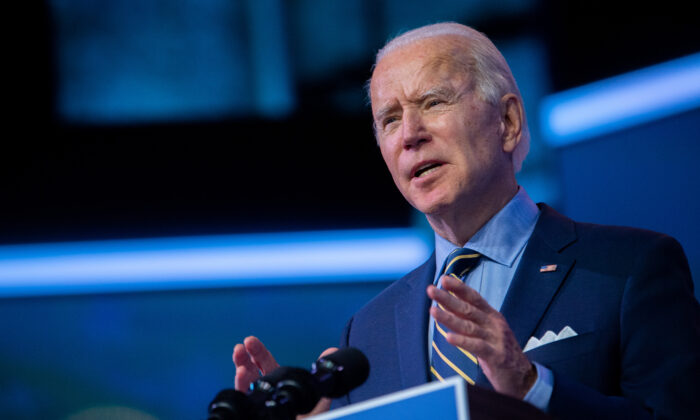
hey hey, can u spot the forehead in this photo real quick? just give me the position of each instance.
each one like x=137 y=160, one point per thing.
x=419 y=66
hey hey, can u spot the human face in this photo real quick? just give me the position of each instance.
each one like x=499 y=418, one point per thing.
x=443 y=144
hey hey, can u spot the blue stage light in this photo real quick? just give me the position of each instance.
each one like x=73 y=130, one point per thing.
x=210 y=261
x=622 y=101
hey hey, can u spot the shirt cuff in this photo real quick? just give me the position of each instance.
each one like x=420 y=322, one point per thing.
x=541 y=391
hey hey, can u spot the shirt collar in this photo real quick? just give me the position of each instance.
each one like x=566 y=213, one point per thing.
x=503 y=237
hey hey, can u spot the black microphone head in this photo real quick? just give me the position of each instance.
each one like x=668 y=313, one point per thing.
x=268 y=383
x=230 y=404
x=340 y=372
x=296 y=389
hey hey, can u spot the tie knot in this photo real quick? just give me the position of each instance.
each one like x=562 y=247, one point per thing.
x=460 y=262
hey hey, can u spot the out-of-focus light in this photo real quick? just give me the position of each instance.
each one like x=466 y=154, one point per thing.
x=622 y=101
x=210 y=261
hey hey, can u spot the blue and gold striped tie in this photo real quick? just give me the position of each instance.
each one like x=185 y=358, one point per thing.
x=448 y=360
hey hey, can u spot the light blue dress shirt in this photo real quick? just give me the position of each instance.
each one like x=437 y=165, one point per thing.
x=501 y=241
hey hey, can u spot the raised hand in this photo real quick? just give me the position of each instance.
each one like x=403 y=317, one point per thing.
x=478 y=328
x=252 y=359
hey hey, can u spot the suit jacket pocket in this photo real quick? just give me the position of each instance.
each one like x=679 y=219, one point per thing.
x=564 y=349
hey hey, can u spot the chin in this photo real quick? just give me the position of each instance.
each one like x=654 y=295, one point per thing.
x=435 y=198
x=432 y=206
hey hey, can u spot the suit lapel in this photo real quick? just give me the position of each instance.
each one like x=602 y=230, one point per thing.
x=411 y=318
x=531 y=291
x=526 y=302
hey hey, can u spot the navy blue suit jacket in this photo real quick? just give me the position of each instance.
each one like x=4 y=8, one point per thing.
x=626 y=292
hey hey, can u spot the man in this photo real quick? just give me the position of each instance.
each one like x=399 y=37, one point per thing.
x=451 y=128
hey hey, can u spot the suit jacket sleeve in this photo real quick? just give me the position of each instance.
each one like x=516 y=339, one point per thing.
x=344 y=400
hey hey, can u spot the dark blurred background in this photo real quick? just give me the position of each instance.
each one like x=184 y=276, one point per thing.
x=142 y=119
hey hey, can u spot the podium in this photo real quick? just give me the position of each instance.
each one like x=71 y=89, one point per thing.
x=452 y=399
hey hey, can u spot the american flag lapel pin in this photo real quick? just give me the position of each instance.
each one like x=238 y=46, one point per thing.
x=548 y=268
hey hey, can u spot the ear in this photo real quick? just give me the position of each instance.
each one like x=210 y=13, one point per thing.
x=512 y=120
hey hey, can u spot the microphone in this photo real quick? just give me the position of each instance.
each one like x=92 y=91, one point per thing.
x=289 y=391
x=338 y=373
x=230 y=404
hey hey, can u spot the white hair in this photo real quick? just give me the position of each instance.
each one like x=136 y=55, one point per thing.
x=486 y=64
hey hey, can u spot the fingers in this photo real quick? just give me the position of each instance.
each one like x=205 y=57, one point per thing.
x=458 y=324
x=478 y=328
x=325 y=403
x=260 y=355
x=465 y=293
x=328 y=351
x=477 y=346
x=251 y=359
x=462 y=305
x=463 y=312
x=246 y=371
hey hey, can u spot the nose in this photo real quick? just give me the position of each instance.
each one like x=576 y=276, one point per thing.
x=413 y=130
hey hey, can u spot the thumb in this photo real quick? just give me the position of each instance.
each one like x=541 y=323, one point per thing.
x=328 y=351
x=325 y=403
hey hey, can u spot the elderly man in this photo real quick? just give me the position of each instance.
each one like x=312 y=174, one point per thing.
x=577 y=319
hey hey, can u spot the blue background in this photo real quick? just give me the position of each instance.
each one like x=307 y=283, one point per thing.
x=137 y=119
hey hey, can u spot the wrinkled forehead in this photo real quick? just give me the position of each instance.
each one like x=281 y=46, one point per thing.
x=423 y=62
x=415 y=79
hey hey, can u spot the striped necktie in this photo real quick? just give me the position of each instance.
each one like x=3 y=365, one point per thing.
x=448 y=360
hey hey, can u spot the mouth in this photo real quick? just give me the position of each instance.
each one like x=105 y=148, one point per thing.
x=425 y=169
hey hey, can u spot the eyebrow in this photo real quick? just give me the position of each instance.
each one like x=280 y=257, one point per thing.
x=384 y=111
x=439 y=91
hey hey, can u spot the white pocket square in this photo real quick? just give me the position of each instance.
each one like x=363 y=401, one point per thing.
x=549 y=337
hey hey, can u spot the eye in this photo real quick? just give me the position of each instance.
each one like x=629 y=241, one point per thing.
x=388 y=120
x=434 y=102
